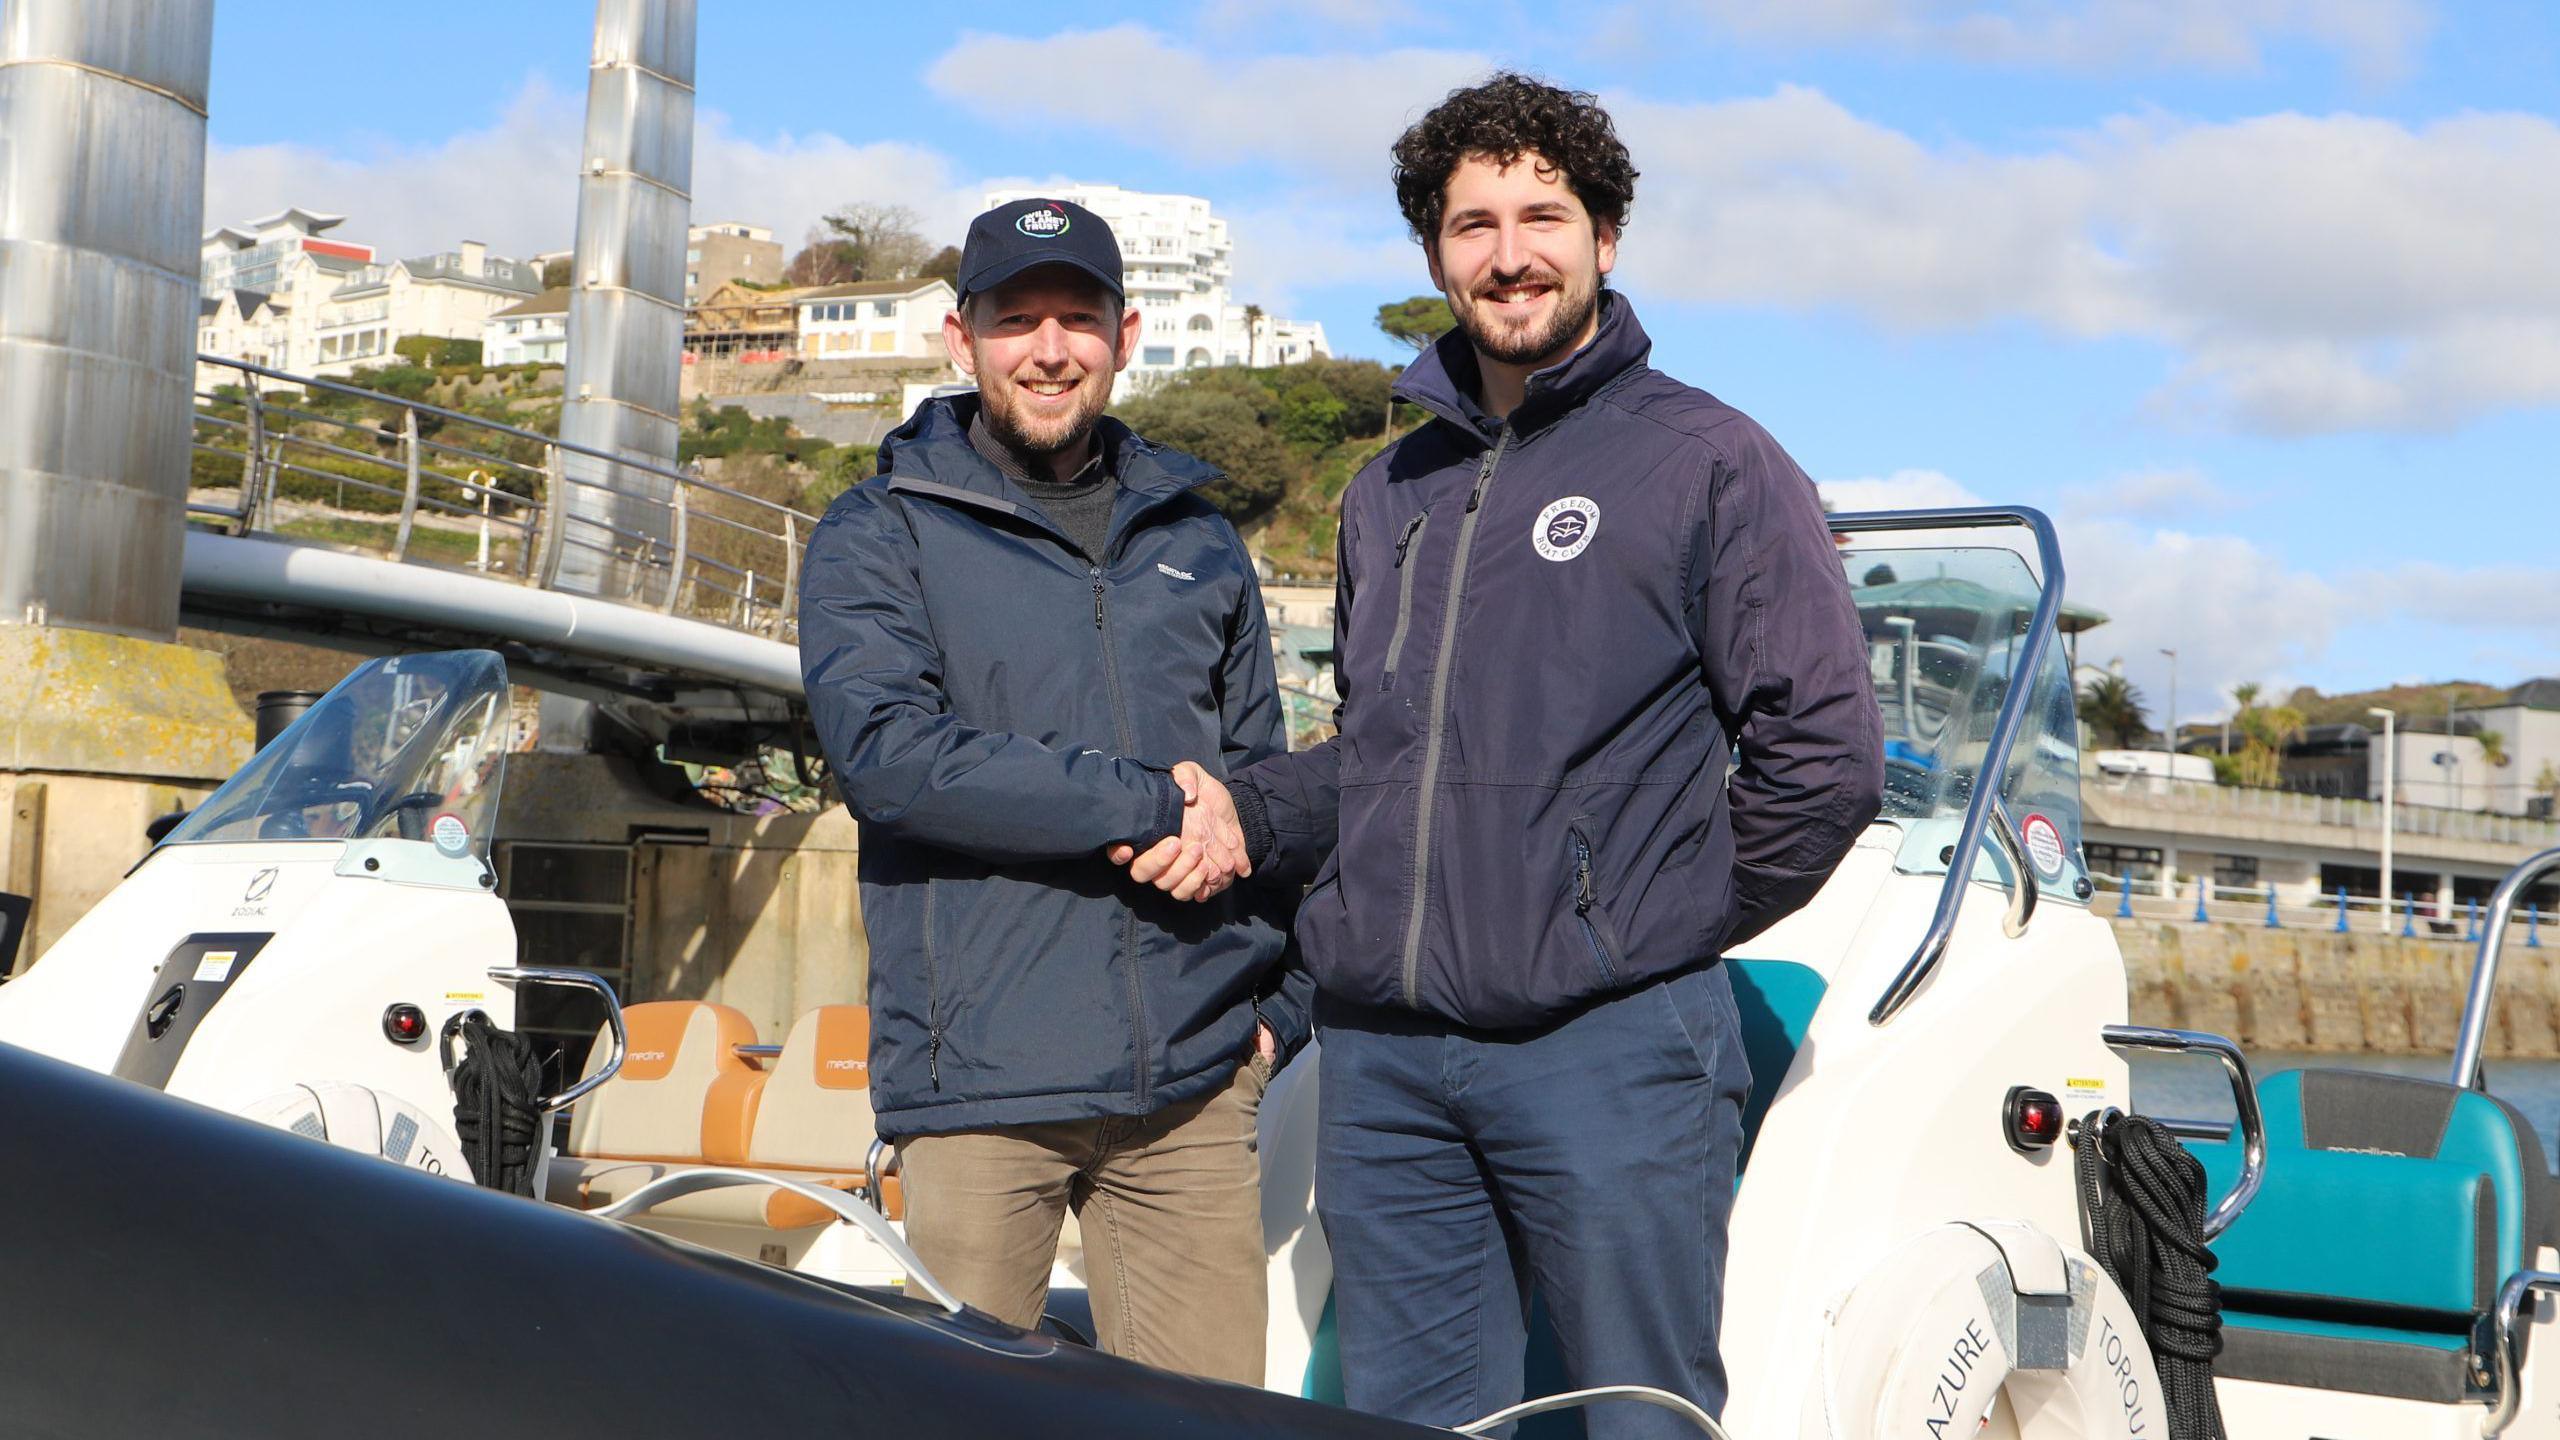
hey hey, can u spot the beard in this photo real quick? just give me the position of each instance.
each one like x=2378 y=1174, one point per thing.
x=1011 y=421
x=1577 y=299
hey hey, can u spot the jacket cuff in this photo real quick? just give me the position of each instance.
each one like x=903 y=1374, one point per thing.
x=1253 y=817
x=1168 y=816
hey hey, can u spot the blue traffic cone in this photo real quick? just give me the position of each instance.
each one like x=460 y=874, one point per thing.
x=2342 y=909
x=2201 y=917
x=2272 y=922
x=2408 y=915
x=2124 y=897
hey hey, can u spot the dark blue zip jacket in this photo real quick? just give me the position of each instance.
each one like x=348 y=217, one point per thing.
x=997 y=710
x=1553 y=635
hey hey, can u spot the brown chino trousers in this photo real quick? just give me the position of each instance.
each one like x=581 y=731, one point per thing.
x=1171 y=1209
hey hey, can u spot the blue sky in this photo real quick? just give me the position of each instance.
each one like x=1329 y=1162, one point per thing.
x=2254 y=295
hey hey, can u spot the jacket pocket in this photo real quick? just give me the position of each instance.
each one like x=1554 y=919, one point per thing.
x=1404 y=598
x=933 y=1018
x=1586 y=907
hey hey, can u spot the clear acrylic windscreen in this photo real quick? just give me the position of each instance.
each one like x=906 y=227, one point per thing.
x=411 y=747
x=1945 y=628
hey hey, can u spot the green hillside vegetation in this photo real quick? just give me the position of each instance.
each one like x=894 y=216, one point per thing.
x=2421 y=707
x=1290 y=438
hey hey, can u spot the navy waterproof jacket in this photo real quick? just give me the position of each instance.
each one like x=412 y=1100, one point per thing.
x=1553 y=634
x=998 y=709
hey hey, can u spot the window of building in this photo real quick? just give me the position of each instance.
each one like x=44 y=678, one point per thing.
x=2142 y=862
x=1156 y=355
x=2237 y=872
x=884 y=308
x=1196 y=359
x=1203 y=322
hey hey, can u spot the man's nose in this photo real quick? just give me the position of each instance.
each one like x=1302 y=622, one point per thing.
x=1049 y=344
x=1510 y=250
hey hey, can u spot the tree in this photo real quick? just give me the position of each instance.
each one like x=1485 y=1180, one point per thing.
x=557 y=273
x=2269 y=730
x=1223 y=427
x=1416 y=321
x=1253 y=334
x=2113 y=710
x=2548 y=781
x=2493 y=747
x=863 y=240
x=944 y=266
x=2243 y=695
x=1311 y=415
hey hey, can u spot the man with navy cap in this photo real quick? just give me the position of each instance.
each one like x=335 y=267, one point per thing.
x=1012 y=638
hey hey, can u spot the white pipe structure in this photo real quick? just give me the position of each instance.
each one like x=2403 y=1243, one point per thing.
x=2390 y=809
x=237 y=568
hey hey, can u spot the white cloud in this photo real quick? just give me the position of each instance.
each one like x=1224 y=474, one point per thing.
x=1332 y=113
x=514 y=184
x=2307 y=274
x=2378 y=38
x=2172 y=494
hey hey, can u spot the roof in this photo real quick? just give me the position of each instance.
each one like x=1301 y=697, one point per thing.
x=870 y=289
x=335 y=264
x=2537 y=694
x=495 y=274
x=554 y=301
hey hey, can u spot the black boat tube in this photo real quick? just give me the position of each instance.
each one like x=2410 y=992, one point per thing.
x=170 y=1269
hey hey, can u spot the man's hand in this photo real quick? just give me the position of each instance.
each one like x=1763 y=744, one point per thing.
x=1203 y=860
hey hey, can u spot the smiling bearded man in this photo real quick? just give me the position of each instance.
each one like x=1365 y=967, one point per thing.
x=1564 y=602
x=1010 y=637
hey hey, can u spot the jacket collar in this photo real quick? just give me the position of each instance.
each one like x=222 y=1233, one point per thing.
x=1444 y=378
x=933 y=448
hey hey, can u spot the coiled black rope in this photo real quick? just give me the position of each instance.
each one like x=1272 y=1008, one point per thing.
x=497 y=1099
x=2142 y=1205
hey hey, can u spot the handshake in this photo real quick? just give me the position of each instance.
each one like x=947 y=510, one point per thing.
x=1206 y=857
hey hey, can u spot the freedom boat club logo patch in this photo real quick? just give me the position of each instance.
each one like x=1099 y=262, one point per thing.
x=1565 y=528
x=1047 y=223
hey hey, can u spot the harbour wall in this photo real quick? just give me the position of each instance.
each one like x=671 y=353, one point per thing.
x=2319 y=990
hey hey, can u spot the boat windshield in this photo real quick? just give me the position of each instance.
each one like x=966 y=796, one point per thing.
x=1945 y=627
x=412 y=747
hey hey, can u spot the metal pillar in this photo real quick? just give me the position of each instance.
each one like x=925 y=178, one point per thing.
x=102 y=141
x=626 y=301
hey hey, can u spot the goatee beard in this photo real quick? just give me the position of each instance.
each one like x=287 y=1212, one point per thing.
x=1526 y=347
x=1004 y=423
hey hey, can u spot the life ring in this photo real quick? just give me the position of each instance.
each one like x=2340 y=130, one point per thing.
x=1927 y=1342
x=355 y=1117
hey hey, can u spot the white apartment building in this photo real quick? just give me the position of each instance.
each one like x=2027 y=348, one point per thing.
x=277 y=295
x=1176 y=264
x=873 y=318
x=535 y=332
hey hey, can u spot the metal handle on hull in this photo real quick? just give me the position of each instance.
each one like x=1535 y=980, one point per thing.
x=853 y=1212
x=2484 y=971
x=2244 y=1097
x=2003 y=742
x=2509 y=1346
x=576 y=980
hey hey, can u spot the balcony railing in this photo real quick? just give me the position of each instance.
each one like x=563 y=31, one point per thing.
x=313 y=459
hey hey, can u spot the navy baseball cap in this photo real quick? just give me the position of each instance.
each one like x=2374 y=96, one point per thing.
x=1021 y=234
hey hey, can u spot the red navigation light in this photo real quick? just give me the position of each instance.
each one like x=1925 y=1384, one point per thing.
x=404 y=1024
x=2030 y=1120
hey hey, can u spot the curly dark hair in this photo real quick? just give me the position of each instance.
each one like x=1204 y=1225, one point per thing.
x=1506 y=117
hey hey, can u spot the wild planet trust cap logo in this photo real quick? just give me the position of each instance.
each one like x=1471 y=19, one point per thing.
x=1565 y=528
x=1046 y=223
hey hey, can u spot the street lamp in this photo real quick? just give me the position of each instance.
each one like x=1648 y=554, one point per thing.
x=2390 y=813
x=2169 y=860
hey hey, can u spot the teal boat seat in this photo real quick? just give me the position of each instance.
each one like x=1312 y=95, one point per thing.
x=2393 y=1208
x=1776 y=1000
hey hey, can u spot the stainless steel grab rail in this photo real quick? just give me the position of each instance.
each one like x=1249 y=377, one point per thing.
x=1984 y=803
x=853 y=1212
x=2508 y=1346
x=2244 y=1097
x=2484 y=971
x=576 y=980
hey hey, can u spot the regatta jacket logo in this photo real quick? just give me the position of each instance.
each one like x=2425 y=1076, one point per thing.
x=1176 y=574
x=1044 y=224
x=1565 y=528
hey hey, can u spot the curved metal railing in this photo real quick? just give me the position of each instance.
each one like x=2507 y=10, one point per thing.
x=1986 y=813
x=2474 y=1035
x=419 y=482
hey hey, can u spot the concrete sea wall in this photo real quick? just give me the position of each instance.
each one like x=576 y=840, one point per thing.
x=2322 y=991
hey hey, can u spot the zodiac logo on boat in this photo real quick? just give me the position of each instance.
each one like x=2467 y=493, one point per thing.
x=1565 y=528
x=260 y=885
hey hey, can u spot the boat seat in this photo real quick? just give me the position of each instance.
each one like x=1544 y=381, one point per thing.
x=2393 y=1209
x=810 y=1120
x=679 y=1099
x=1776 y=1000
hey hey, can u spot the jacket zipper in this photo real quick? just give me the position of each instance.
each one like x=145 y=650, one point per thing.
x=932 y=996
x=1582 y=907
x=1144 y=1073
x=1404 y=599
x=1436 y=727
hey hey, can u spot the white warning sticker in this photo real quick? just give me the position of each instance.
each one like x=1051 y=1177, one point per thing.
x=2044 y=846
x=215 y=967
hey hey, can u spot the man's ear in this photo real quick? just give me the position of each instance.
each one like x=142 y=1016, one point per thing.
x=1431 y=259
x=1605 y=245
x=1125 y=348
x=955 y=338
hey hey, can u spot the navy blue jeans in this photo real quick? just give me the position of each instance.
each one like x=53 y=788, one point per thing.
x=1591 y=1164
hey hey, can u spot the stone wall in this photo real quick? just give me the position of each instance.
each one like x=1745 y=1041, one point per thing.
x=2323 y=991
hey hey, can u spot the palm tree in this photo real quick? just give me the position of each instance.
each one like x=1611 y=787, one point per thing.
x=2493 y=747
x=2269 y=731
x=2112 y=709
x=1252 y=334
x=2243 y=695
